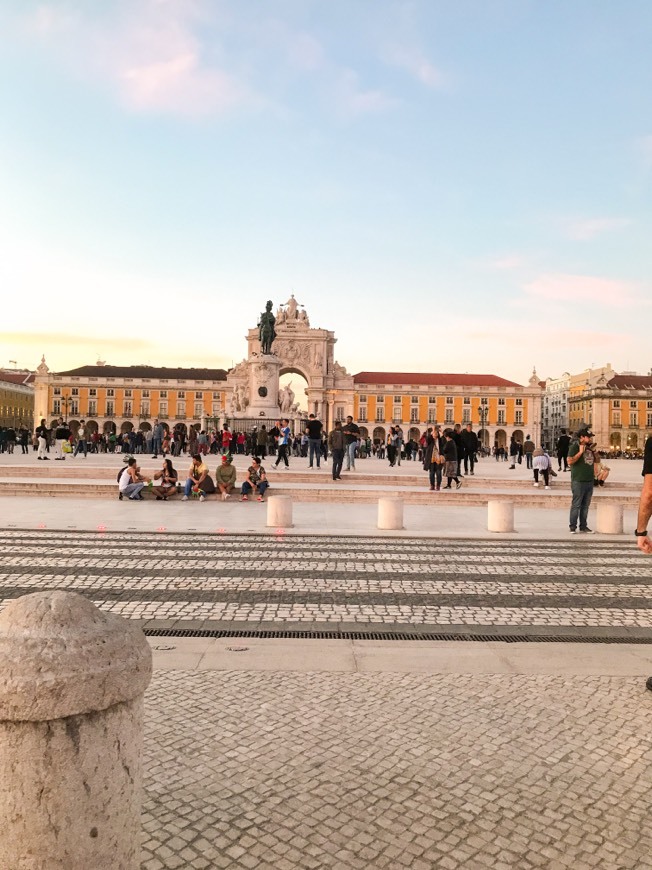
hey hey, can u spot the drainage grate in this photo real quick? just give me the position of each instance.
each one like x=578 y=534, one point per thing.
x=391 y=635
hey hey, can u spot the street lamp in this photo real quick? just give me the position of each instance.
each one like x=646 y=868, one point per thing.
x=65 y=401
x=483 y=412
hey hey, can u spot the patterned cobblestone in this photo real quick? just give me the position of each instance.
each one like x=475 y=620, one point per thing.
x=268 y=771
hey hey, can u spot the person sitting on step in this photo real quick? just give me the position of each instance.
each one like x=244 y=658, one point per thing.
x=199 y=480
x=256 y=480
x=225 y=477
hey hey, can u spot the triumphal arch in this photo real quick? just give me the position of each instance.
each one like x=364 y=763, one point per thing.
x=284 y=342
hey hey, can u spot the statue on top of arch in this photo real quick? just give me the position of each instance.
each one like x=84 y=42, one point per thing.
x=292 y=312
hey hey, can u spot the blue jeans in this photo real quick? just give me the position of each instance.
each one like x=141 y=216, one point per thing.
x=338 y=459
x=132 y=490
x=314 y=449
x=81 y=447
x=582 y=494
x=350 y=455
x=261 y=487
x=156 y=446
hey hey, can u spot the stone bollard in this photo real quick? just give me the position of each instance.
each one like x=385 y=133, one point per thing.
x=71 y=732
x=390 y=513
x=279 y=511
x=610 y=518
x=500 y=516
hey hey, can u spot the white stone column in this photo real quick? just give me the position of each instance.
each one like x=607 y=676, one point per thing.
x=390 y=513
x=500 y=516
x=279 y=511
x=71 y=731
x=610 y=518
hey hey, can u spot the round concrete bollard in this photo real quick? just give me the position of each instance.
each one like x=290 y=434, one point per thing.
x=500 y=516
x=390 y=513
x=610 y=518
x=279 y=511
x=71 y=732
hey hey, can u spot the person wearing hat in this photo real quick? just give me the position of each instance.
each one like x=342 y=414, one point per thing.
x=225 y=476
x=581 y=458
x=645 y=503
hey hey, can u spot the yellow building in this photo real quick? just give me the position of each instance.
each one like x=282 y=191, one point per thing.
x=17 y=399
x=618 y=409
x=122 y=398
x=496 y=407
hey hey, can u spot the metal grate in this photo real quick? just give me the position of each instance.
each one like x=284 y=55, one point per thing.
x=391 y=635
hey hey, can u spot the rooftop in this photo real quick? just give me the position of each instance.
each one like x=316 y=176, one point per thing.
x=427 y=379
x=142 y=371
x=630 y=382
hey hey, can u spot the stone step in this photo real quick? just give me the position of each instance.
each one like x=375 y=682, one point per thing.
x=340 y=493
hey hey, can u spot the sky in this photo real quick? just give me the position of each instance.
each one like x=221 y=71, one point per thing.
x=448 y=186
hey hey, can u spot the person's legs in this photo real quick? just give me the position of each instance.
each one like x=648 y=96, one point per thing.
x=41 y=448
x=262 y=489
x=245 y=490
x=466 y=463
x=311 y=452
x=546 y=476
x=576 y=503
x=587 y=495
x=536 y=476
x=351 y=450
x=187 y=489
x=528 y=457
x=438 y=476
x=432 y=471
x=338 y=459
x=133 y=490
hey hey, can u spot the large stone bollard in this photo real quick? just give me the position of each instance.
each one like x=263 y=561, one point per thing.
x=71 y=731
x=279 y=511
x=390 y=513
x=500 y=516
x=610 y=518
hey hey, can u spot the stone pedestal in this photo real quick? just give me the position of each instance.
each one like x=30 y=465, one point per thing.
x=390 y=513
x=263 y=374
x=610 y=518
x=279 y=511
x=500 y=516
x=71 y=730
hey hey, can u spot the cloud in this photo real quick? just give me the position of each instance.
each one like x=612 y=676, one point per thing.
x=47 y=339
x=353 y=99
x=643 y=146
x=589 y=228
x=586 y=288
x=413 y=62
x=507 y=263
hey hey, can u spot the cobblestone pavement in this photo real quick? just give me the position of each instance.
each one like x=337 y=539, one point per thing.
x=284 y=771
x=204 y=581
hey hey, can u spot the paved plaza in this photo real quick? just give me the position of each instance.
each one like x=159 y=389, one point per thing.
x=266 y=749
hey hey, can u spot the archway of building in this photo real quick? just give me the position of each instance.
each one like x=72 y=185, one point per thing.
x=500 y=438
x=298 y=382
x=127 y=426
x=109 y=427
x=632 y=440
x=379 y=435
x=364 y=432
x=145 y=427
x=73 y=425
x=518 y=435
x=483 y=435
x=91 y=427
x=615 y=441
x=414 y=433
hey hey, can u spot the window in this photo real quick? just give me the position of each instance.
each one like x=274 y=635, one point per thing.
x=380 y=399
x=128 y=394
x=501 y=402
x=92 y=391
x=616 y=418
x=414 y=400
x=199 y=409
x=199 y=395
x=362 y=416
x=362 y=400
x=634 y=405
x=181 y=409
x=380 y=415
x=649 y=406
x=484 y=401
x=216 y=409
x=449 y=415
x=432 y=415
x=74 y=391
x=92 y=408
x=501 y=418
x=616 y=403
x=127 y=409
x=414 y=415
x=216 y=397
x=518 y=416
x=164 y=394
x=398 y=400
x=181 y=394
x=110 y=393
x=145 y=394
x=519 y=402
x=144 y=409
x=56 y=406
x=57 y=391
x=163 y=409
x=633 y=418
x=449 y=400
x=109 y=409
x=339 y=412
x=432 y=400
x=649 y=421
x=467 y=400
x=466 y=415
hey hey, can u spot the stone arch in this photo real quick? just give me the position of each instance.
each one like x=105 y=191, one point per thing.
x=109 y=427
x=483 y=435
x=500 y=438
x=615 y=440
x=364 y=432
x=632 y=441
x=380 y=435
x=91 y=427
x=518 y=435
x=73 y=425
x=414 y=433
x=145 y=426
x=127 y=426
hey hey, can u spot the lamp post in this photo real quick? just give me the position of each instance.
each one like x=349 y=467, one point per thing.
x=483 y=412
x=65 y=401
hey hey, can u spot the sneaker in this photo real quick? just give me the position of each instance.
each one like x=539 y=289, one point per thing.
x=245 y=498
x=120 y=496
x=46 y=458
x=202 y=497
x=458 y=485
x=536 y=484
x=260 y=498
x=573 y=531
x=473 y=474
x=185 y=498
x=587 y=531
x=547 y=487
x=225 y=495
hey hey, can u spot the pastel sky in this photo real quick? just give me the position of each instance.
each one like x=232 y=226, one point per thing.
x=449 y=186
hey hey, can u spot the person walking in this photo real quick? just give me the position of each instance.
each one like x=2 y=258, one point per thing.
x=645 y=503
x=563 y=444
x=351 y=434
x=337 y=446
x=581 y=458
x=528 y=450
x=42 y=434
x=284 y=442
x=471 y=446
x=433 y=457
x=82 y=443
x=451 y=462
x=513 y=450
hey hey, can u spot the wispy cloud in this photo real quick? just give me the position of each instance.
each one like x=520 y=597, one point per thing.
x=584 y=229
x=413 y=61
x=643 y=146
x=584 y=289
x=353 y=98
x=507 y=263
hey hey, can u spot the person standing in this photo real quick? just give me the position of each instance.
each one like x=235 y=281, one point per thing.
x=581 y=458
x=528 y=449
x=262 y=437
x=42 y=434
x=563 y=444
x=157 y=438
x=82 y=444
x=337 y=445
x=351 y=435
x=313 y=431
x=645 y=504
x=513 y=450
x=459 y=444
x=61 y=435
x=471 y=446
x=451 y=460
x=284 y=441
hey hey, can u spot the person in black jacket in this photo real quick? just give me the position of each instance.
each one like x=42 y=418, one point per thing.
x=471 y=445
x=563 y=443
x=450 y=455
x=459 y=444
